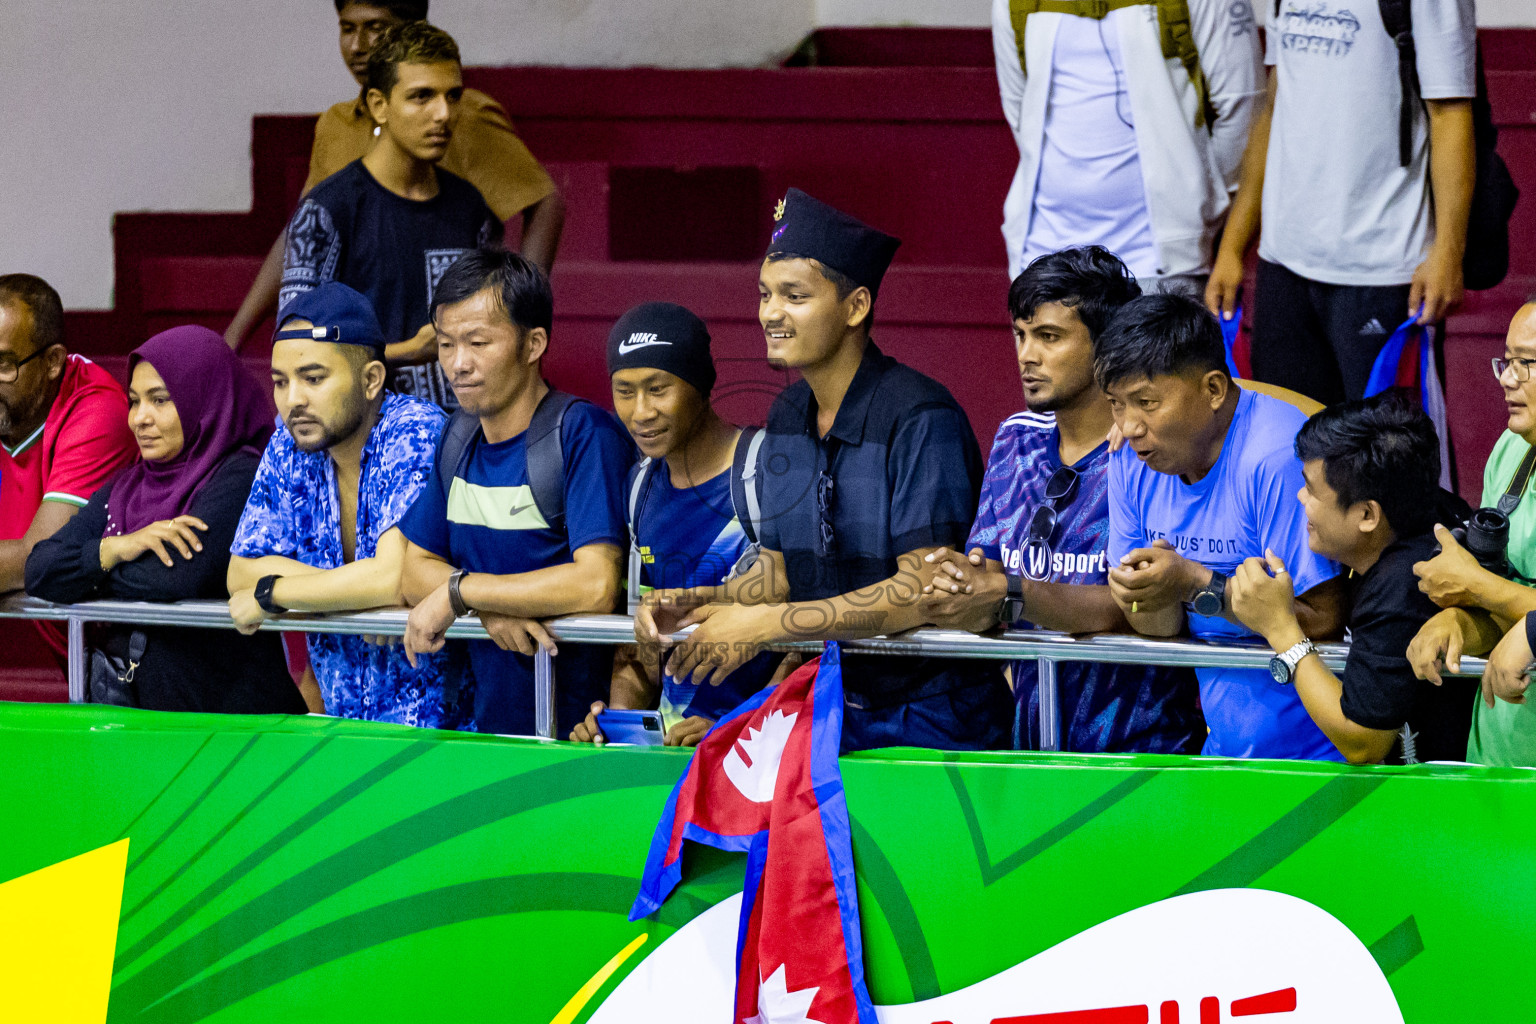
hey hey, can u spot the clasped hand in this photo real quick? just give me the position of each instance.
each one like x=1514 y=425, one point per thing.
x=1152 y=579
x=1263 y=597
x=963 y=593
x=725 y=636
x=180 y=533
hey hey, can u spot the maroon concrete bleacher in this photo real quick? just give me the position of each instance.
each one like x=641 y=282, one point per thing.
x=663 y=167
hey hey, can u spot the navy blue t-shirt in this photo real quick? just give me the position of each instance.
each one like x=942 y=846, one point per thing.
x=490 y=523
x=690 y=537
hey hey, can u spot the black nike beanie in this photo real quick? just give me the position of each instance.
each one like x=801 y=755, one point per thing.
x=663 y=336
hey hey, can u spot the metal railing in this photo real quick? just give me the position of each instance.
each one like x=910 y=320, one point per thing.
x=1046 y=649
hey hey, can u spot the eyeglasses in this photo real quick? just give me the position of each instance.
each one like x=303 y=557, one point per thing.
x=1060 y=489
x=825 y=485
x=9 y=371
x=1521 y=367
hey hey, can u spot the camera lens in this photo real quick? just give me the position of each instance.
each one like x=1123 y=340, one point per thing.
x=1487 y=533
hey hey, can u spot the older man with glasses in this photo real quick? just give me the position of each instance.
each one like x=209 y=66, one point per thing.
x=867 y=467
x=1480 y=605
x=63 y=427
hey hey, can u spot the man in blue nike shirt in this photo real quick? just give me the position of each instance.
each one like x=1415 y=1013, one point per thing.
x=684 y=522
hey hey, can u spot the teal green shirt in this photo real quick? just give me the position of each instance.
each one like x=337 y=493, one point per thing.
x=1505 y=734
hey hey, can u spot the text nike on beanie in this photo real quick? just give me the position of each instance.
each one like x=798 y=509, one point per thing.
x=663 y=336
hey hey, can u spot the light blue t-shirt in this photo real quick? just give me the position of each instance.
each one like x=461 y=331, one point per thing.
x=1246 y=503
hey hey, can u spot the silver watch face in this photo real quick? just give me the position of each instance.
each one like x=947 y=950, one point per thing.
x=1207 y=604
x=1280 y=670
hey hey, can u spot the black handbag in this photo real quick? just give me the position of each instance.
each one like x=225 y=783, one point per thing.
x=111 y=678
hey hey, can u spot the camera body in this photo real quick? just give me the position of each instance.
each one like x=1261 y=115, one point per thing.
x=1486 y=535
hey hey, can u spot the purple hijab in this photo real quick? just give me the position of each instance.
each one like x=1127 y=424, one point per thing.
x=222 y=409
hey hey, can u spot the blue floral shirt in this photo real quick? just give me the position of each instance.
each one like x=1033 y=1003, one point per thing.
x=294 y=511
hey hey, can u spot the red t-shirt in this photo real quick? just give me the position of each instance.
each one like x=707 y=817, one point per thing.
x=81 y=445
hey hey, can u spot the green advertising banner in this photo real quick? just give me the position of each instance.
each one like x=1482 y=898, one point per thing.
x=179 y=868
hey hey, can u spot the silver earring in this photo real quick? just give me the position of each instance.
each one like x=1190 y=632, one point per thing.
x=376 y=131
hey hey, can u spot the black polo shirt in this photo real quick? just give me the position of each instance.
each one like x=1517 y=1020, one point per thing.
x=1380 y=689
x=905 y=473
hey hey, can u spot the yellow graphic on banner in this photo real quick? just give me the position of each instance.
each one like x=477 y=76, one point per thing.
x=58 y=935
x=574 y=1005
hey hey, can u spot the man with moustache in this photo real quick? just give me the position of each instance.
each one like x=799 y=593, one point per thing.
x=869 y=466
x=320 y=530
x=392 y=222
x=1039 y=547
x=63 y=426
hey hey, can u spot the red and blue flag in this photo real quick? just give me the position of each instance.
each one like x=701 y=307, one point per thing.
x=765 y=781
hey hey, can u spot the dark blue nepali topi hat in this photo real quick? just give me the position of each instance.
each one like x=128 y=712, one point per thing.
x=811 y=229
x=338 y=313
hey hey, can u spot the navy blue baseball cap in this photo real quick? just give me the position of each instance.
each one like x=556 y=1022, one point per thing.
x=339 y=314
x=811 y=229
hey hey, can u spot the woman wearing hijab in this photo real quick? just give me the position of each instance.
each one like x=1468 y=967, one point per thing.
x=161 y=531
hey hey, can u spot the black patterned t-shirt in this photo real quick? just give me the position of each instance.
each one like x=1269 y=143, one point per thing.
x=392 y=249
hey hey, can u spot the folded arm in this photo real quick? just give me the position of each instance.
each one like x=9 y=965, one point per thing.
x=366 y=583
x=728 y=635
x=13 y=553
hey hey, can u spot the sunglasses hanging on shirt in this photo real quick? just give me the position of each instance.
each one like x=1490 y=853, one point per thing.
x=1060 y=492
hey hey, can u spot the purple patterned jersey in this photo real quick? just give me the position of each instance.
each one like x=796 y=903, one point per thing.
x=1103 y=707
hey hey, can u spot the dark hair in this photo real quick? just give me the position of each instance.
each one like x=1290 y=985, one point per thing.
x=840 y=281
x=1382 y=449
x=359 y=356
x=521 y=289
x=405 y=10
x=410 y=42
x=1156 y=335
x=41 y=301
x=1089 y=278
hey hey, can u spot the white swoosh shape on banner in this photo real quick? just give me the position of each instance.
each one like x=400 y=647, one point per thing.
x=1227 y=944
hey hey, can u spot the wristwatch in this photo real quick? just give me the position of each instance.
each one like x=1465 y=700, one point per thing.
x=263 y=595
x=1283 y=666
x=1211 y=598
x=456 y=599
x=1011 y=608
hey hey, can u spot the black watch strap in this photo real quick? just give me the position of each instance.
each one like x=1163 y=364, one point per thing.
x=455 y=598
x=1011 y=608
x=263 y=595
x=1211 y=599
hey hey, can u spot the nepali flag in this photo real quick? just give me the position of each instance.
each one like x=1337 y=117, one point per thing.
x=765 y=781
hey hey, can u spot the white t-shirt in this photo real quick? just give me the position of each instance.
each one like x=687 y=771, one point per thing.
x=1089 y=190
x=1338 y=206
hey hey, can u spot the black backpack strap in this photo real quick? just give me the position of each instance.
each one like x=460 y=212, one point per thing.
x=454 y=446
x=1510 y=500
x=1397 y=16
x=546 y=455
x=639 y=490
x=746 y=490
